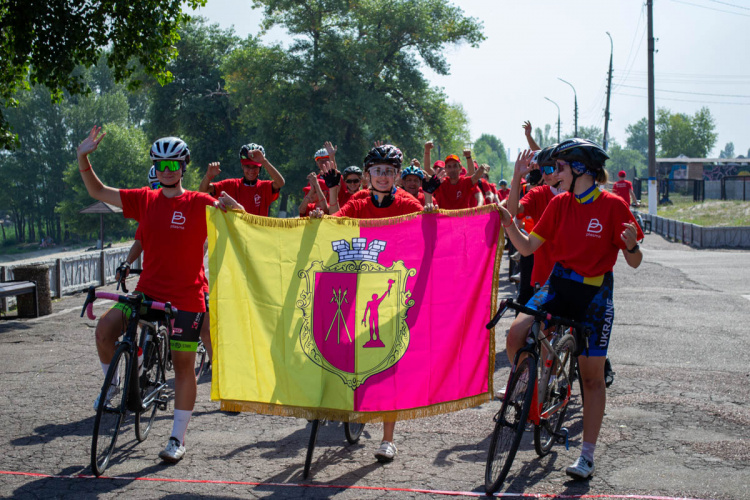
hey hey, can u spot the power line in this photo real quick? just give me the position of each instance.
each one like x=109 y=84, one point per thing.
x=730 y=4
x=628 y=63
x=686 y=92
x=685 y=100
x=711 y=8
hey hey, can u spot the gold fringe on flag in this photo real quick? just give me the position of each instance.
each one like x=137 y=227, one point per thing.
x=354 y=416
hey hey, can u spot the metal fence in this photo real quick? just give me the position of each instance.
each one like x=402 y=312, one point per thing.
x=735 y=187
x=699 y=236
x=672 y=190
x=73 y=274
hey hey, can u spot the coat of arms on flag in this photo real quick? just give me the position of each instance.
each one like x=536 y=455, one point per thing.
x=355 y=312
x=353 y=320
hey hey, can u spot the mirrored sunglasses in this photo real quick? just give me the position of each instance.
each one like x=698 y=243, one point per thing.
x=548 y=169
x=171 y=165
x=560 y=165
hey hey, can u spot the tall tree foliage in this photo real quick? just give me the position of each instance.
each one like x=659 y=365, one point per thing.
x=46 y=41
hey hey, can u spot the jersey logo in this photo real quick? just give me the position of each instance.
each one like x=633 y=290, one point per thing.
x=458 y=195
x=595 y=227
x=257 y=200
x=178 y=218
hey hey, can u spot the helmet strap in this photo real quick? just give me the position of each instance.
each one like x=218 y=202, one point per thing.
x=383 y=201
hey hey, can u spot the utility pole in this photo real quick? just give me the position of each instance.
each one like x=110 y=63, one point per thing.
x=575 y=108
x=609 y=92
x=652 y=187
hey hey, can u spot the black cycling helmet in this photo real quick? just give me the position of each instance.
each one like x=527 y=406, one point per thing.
x=545 y=156
x=170 y=148
x=352 y=170
x=583 y=151
x=534 y=178
x=385 y=154
x=245 y=151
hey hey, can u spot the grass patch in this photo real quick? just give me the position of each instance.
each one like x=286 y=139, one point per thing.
x=714 y=213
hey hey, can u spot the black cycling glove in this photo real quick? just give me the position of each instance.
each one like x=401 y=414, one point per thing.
x=430 y=185
x=332 y=178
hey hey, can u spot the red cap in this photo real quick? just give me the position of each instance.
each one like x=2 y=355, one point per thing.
x=621 y=173
x=438 y=164
x=249 y=163
x=452 y=157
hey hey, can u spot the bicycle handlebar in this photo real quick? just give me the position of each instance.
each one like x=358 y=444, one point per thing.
x=540 y=315
x=88 y=305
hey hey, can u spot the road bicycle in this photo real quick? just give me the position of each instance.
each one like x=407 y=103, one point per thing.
x=136 y=379
x=352 y=432
x=202 y=362
x=549 y=358
x=643 y=223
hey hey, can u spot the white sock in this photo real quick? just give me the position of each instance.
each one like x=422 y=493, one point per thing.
x=587 y=451
x=105 y=367
x=179 y=426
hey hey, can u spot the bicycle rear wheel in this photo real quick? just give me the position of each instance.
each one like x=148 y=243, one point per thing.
x=150 y=381
x=110 y=411
x=509 y=425
x=201 y=358
x=311 y=447
x=555 y=393
x=352 y=431
x=166 y=352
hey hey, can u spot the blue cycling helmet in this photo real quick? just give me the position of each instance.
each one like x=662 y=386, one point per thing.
x=412 y=170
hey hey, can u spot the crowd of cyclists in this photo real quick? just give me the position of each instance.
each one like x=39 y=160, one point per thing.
x=553 y=208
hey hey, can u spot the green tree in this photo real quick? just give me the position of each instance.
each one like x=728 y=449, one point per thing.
x=47 y=41
x=629 y=160
x=679 y=134
x=121 y=162
x=490 y=150
x=638 y=136
x=592 y=133
x=195 y=106
x=354 y=75
x=546 y=138
x=728 y=151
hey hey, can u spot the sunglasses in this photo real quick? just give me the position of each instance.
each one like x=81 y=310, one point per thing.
x=548 y=169
x=171 y=165
x=353 y=181
x=383 y=172
x=560 y=165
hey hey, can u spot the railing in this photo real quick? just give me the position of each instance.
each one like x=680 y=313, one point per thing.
x=73 y=274
x=699 y=236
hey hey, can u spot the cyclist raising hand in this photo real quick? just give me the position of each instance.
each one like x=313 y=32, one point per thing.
x=172 y=222
x=588 y=228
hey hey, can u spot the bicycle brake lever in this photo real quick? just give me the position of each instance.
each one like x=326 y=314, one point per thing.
x=89 y=299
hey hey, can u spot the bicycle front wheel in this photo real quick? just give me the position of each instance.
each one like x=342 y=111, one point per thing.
x=352 y=431
x=555 y=395
x=510 y=422
x=110 y=411
x=151 y=384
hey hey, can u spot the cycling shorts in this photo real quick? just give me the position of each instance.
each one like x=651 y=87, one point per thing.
x=586 y=300
x=186 y=328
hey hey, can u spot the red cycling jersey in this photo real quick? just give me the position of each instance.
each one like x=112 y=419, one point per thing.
x=255 y=199
x=455 y=196
x=622 y=189
x=534 y=203
x=366 y=209
x=173 y=232
x=586 y=237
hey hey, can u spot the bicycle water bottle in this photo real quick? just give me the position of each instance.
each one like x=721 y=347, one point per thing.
x=140 y=361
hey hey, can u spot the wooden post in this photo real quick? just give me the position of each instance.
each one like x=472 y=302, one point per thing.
x=58 y=278
x=102 y=270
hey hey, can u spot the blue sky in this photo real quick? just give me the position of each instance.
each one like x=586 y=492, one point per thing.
x=703 y=59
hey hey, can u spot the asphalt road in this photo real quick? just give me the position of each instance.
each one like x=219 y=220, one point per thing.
x=677 y=421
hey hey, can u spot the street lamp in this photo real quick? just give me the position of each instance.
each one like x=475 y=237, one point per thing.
x=575 y=109
x=558 y=118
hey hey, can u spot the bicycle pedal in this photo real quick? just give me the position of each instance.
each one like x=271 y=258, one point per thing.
x=564 y=438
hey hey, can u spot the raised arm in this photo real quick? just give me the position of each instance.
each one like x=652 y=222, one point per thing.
x=523 y=167
x=427 y=160
x=527 y=130
x=278 y=179
x=470 y=164
x=212 y=171
x=94 y=186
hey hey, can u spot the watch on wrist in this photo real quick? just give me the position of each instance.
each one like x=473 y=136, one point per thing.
x=634 y=249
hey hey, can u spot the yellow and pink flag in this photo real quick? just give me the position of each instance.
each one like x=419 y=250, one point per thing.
x=353 y=320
